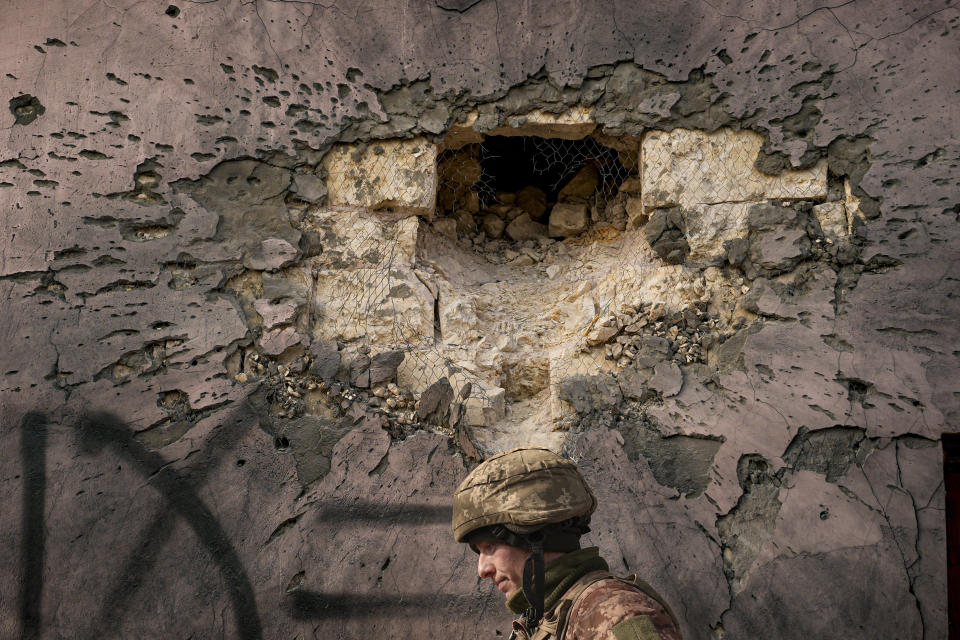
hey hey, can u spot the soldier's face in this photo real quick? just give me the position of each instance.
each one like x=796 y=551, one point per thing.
x=503 y=564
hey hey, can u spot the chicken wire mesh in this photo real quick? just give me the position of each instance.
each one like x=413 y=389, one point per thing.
x=492 y=195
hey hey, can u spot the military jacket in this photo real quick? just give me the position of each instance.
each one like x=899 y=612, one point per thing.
x=601 y=606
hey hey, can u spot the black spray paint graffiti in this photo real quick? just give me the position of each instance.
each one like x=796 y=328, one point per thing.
x=178 y=489
x=95 y=432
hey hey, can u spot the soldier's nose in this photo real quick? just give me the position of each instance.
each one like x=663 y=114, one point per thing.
x=485 y=568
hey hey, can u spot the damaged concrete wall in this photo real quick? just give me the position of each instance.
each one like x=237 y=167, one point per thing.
x=243 y=312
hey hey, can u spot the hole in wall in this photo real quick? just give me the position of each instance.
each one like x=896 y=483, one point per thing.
x=485 y=187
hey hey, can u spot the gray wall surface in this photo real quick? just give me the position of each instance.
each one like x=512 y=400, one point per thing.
x=792 y=488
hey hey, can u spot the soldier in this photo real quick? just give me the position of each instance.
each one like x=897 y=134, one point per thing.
x=523 y=513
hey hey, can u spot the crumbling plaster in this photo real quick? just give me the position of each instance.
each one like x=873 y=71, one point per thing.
x=159 y=182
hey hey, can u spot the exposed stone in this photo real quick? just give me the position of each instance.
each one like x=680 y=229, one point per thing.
x=573 y=124
x=665 y=234
x=446 y=227
x=309 y=187
x=581 y=186
x=276 y=341
x=633 y=384
x=532 y=200
x=833 y=219
x=466 y=225
x=600 y=334
x=325 y=359
x=392 y=294
x=687 y=168
x=274 y=314
x=434 y=407
x=708 y=227
x=388 y=174
x=487 y=409
x=568 y=219
x=458 y=319
x=680 y=462
x=523 y=228
x=636 y=213
x=272 y=254
x=383 y=366
x=591 y=393
x=778 y=238
x=360 y=371
x=667 y=379
x=493 y=226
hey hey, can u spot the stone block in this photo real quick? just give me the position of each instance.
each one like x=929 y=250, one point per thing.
x=446 y=227
x=573 y=124
x=389 y=174
x=324 y=359
x=667 y=379
x=353 y=238
x=458 y=319
x=708 y=227
x=383 y=366
x=601 y=335
x=434 y=407
x=466 y=225
x=274 y=314
x=487 y=409
x=309 y=187
x=581 y=186
x=524 y=228
x=637 y=214
x=270 y=255
x=666 y=235
x=360 y=371
x=383 y=306
x=833 y=219
x=687 y=168
x=278 y=340
x=493 y=225
x=568 y=219
x=532 y=200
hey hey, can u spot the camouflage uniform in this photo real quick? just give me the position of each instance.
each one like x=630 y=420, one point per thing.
x=533 y=499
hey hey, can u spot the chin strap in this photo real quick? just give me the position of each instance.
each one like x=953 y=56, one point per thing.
x=533 y=579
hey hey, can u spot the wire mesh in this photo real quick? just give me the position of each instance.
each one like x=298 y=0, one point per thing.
x=676 y=199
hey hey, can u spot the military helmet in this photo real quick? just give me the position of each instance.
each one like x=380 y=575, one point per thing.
x=523 y=490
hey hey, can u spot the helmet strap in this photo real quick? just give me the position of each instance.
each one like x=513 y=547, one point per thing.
x=533 y=580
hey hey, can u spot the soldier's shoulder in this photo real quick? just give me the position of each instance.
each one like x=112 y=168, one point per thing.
x=609 y=602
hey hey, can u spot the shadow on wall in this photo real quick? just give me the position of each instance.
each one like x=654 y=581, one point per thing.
x=95 y=432
x=178 y=489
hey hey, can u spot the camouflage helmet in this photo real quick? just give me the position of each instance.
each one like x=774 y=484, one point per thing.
x=524 y=490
